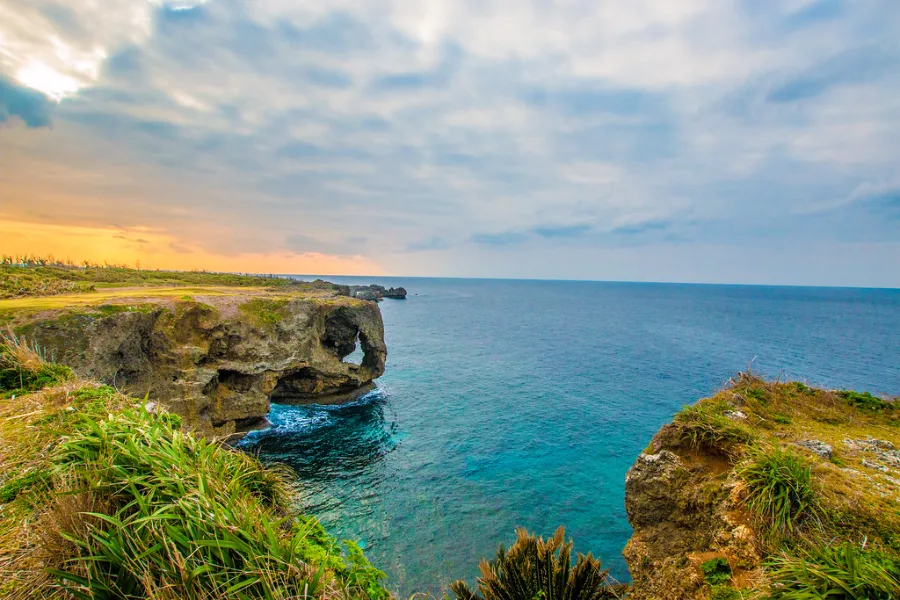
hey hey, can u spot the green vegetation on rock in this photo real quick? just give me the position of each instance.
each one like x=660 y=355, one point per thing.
x=706 y=425
x=779 y=487
x=716 y=571
x=45 y=277
x=266 y=311
x=23 y=370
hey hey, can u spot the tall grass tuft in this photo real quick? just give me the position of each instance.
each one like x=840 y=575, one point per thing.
x=23 y=368
x=779 y=488
x=839 y=572
x=534 y=568
x=704 y=425
x=185 y=517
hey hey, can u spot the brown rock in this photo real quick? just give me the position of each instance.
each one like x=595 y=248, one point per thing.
x=218 y=360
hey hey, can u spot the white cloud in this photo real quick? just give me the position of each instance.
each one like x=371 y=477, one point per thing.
x=444 y=119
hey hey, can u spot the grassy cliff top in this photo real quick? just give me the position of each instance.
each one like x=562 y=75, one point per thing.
x=29 y=290
x=36 y=280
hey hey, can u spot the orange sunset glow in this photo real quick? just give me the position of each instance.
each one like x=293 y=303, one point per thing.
x=156 y=250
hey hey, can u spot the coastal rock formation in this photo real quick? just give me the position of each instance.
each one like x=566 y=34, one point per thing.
x=681 y=515
x=696 y=533
x=217 y=360
x=376 y=292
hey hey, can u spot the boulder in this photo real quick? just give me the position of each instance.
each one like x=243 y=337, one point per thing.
x=817 y=447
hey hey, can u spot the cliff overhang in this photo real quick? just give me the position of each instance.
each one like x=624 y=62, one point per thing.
x=218 y=359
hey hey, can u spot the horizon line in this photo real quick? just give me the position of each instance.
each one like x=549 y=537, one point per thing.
x=616 y=281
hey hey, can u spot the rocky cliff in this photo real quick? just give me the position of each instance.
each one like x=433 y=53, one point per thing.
x=757 y=490
x=217 y=360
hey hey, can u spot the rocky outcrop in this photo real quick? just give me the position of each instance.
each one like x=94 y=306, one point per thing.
x=376 y=292
x=682 y=515
x=217 y=361
x=395 y=293
x=697 y=535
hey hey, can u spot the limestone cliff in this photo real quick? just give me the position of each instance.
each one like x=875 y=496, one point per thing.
x=217 y=359
x=700 y=495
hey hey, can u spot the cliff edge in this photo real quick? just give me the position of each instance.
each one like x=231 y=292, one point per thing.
x=769 y=490
x=214 y=356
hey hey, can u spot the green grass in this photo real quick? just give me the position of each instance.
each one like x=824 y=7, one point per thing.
x=107 y=310
x=843 y=572
x=724 y=592
x=866 y=401
x=266 y=311
x=716 y=571
x=781 y=419
x=15 y=486
x=779 y=488
x=757 y=394
x=41 y=278
x=22 y=370
x=185 y=512
x=704 y=425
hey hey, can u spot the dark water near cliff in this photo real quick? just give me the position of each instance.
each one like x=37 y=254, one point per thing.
x=521 y=403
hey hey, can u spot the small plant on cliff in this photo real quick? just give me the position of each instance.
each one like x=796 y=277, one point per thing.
x=705 y=425
x=779 y=488
x=839 y=572
x=534 y=568
x=23 y=369
x=716 y=571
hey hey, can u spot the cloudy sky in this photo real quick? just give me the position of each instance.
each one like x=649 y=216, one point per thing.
x=746 y=141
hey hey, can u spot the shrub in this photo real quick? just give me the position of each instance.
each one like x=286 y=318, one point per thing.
x=716 y=571
x=779 y=488
x=839 y=572
x=533 y=569
x=866 y=401
x=705 y=425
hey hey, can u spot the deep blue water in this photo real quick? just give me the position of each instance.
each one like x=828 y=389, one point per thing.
x=523 y=403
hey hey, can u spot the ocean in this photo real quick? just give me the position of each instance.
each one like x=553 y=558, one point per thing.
x=523 y=403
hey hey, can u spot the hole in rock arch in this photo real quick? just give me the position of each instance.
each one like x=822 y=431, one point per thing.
x=358 y=355
x=343 y=337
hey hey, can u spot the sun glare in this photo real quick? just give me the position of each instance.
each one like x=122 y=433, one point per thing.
x=48 y=81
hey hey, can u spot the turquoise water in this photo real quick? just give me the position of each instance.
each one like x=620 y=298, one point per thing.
x=522 y=403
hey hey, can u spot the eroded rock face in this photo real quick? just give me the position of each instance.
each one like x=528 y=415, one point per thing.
x=217 y=361
x=682 y=514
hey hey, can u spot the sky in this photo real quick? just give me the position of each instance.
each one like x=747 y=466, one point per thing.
x=730 y=141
